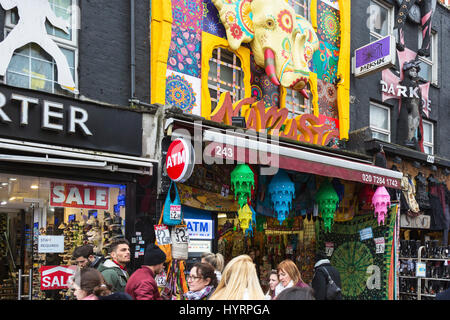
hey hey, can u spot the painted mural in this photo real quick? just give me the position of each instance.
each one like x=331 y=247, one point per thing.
x=198 y=27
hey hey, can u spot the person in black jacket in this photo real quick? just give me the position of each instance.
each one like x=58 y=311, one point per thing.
x=320 y=279
x=85 y=258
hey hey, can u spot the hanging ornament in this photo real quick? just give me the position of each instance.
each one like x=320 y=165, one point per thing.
x=245 y=216
x=327 y=200
x=365 y=197
x=282 y=192
x=242 y=181
x=381 y=200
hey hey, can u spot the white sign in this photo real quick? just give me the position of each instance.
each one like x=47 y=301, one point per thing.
x=380 y=245
x=421 y=269
x=366 y=234
x=374 y=57
x=200 y=229
x=51 y=244
x=419 y=222
x=199 y=246
x=175 y=212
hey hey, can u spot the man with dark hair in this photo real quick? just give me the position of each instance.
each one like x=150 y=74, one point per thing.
x=114 y=269
x=84 y=257
x=296 y=293
x=322 y=269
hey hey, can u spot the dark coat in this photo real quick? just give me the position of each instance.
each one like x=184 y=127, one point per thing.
x=113 y=275
x=142 y=285
x=320 y=280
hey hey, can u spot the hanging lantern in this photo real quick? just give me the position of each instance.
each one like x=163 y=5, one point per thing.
x=381 y=200
x=282 y=192
x=242 y=181
x=245 y=216
x=327 y=199
x=365 y=197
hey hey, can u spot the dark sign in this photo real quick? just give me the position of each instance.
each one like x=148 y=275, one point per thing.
x=47 y=118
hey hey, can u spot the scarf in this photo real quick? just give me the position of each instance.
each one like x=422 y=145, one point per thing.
x=199 y=295
x=123 y=268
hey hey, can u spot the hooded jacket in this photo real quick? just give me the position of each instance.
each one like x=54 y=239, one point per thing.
x=114 y=275
x=320 y=280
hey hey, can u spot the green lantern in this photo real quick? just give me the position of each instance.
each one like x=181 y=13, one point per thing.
x=327 y=199
x=242 y=181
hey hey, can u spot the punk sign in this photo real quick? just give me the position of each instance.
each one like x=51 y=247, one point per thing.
x=43 y=117
x=375 y=56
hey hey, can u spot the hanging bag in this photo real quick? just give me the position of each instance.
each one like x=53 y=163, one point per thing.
x=333 y=291
x=163 y=239
x=172 y=209
x=180 y=242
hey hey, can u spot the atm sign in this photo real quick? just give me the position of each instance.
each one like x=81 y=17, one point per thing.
x=200 y=229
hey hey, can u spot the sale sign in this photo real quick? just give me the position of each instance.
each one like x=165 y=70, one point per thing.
x=56 y=277
x=79 y=196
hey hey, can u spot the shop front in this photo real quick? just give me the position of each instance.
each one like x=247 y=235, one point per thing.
x=277 y=199
x=68 y=172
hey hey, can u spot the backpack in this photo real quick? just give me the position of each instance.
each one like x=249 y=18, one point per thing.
x=333 y=292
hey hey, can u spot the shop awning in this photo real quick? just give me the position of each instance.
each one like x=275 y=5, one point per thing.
x=249 y=150
x=44 y=154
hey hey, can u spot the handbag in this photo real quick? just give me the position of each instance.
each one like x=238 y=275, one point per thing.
x=180 y=242
x=163 y=239
x=333 y=292
x=172 y=209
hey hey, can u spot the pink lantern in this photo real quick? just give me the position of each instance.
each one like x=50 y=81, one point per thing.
x=381 y=200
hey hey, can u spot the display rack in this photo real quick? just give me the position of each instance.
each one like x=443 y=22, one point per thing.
x=418 y=286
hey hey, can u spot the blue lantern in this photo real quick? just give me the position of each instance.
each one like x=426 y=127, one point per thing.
x=282 y=192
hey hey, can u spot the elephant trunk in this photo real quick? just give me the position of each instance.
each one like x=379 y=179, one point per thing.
x=269 y=63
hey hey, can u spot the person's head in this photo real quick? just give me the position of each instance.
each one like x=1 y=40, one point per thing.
x=83 y=255
x=273 y=280
x=288 y=271
x=296 y=293
x=90 y=281
x=252 y=254
x=216 y=260
x=239 y=274
x=154 y=258
x=120 y=251
x=321 y=255
x=201 y=276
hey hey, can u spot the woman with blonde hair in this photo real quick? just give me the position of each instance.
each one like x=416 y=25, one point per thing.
x=289 y=276
x=239 y=281
x=216 y=260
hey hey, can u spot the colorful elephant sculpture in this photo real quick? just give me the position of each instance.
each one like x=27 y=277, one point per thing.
x=282 y=42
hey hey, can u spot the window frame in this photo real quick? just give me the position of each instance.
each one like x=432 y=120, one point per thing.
x=426 y=143
x=433 y=59
x=390 y=18
x=235 y=94
x=307 y=106
x=306 y=6
x=381 y=130
x=71 y=45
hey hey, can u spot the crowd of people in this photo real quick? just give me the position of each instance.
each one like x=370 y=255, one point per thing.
x=98 y=278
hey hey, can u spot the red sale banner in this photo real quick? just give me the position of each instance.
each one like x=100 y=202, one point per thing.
x=79 y=196
x=56 y=277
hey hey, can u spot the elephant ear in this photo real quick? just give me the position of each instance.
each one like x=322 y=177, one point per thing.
x=311 y=40
x=237 y=18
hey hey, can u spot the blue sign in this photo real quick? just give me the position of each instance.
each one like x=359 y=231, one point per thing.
x=366 y=234
x=200 y=229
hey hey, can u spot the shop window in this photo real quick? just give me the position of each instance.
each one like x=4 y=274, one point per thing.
x=429 y=65
x=380 y=122
x=301 y=7
x=297 y=104
x=31 y=67
x=225 y=75
x=428 y=137
x=83 y=212
x=380 y=20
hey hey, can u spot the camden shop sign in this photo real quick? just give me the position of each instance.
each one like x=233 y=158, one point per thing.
x=47 y=118
x=374 y=57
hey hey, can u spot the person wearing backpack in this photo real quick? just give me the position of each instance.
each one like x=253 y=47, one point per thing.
x=327 y=281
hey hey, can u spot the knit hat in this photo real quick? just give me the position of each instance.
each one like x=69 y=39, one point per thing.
x=153 y=255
